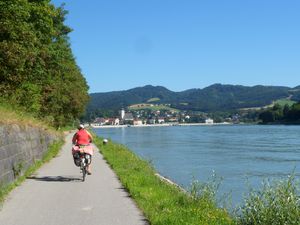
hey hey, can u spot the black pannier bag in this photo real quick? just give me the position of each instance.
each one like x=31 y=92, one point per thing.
x=76 y=157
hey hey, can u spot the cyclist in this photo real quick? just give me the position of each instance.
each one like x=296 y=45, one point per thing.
x=83 y=138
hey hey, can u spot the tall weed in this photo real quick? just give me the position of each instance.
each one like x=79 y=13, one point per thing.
x=277 y=203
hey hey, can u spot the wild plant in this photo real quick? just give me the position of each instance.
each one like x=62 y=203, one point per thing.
x=276 y=203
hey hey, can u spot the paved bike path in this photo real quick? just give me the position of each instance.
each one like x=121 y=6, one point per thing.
x=55 y=195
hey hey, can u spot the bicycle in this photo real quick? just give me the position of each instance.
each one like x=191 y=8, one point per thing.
x=85 y=160
x=82 y=160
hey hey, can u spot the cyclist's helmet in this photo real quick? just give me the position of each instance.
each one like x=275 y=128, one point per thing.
x=81 y=126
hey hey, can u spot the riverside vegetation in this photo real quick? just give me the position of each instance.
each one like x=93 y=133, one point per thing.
x=38 y=71
x=281 y=113
x=277 y=203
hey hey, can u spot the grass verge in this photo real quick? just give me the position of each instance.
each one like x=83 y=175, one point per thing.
x=51 y=153
x=10 y=114
x=161 y=202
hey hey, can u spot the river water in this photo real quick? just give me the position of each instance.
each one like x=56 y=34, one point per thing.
x=243 y=155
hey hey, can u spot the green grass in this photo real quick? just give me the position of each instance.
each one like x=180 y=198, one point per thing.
x=153 y=100
x=284 y=101
x=153 y=108
x=10 y=114
x=184 y=103
x=51 y=153
x=161 y=202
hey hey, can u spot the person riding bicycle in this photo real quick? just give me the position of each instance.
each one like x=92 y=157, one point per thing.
x=83 y=138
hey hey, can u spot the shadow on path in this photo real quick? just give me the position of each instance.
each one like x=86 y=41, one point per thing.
x=55 y=179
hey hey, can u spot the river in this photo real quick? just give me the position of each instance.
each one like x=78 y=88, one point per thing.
x=243 y=155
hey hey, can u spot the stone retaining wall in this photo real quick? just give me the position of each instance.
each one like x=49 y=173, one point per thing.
x=20 y=146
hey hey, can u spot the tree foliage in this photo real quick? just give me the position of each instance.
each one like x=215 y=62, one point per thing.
x=281 y=114
x=37 y=68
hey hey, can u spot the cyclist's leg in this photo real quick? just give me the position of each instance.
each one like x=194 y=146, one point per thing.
x=89 y=167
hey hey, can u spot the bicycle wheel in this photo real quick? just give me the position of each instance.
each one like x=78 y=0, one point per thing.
x=83 y=173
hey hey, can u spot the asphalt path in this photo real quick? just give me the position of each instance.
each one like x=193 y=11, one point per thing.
x=55 y=195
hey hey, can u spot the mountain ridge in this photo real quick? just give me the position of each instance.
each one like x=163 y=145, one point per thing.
x=212 y=85
x=216 y=97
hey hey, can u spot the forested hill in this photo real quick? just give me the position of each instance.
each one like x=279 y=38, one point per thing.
x=38 y=72
x=216 y=97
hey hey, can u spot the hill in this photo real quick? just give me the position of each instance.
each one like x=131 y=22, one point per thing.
x=123 y=99
x=216 y=97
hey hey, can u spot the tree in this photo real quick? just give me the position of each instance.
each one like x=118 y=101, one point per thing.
x=37 y=68
x=286 y=110
x=294 y=113
x=267 y=117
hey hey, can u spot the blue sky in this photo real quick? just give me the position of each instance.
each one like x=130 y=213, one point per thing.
x=183 y=44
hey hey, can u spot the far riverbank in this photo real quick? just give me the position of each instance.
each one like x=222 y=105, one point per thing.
x=161 y=125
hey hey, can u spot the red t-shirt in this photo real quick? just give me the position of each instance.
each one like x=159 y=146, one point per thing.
x=82 y=137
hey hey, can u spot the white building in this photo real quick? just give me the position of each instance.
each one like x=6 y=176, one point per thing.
x=114 y=121
x=122 y=112
x=161 y=120
x=137 y=122
x=209 y=121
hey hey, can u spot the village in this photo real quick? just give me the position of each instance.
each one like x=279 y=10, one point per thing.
x=149 y=117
